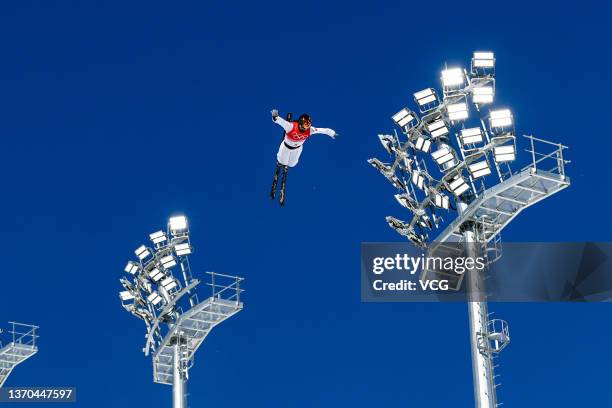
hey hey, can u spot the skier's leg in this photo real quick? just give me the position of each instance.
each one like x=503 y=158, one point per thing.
x=275 y=182
x=283 y=182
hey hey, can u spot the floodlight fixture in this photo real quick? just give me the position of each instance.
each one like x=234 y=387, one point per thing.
x=483 y=94
x=437 y=127
x=441 y=201
x=155 y=274
x=177 y=321
x=457 y=111
x=158 y=237
x=21 y=343
x=471 y=136
x=132 y=267
x=182 y=249
x=479 y=169
x=504 y=153
x=418 y=180
x=168 y=261
x=427 y=99
x=169 y=284
x=501 y=118
x=154 y=298
x=178 y=224
x=458 y=185
x=453 y=77
x=405 y=119
x=444 y=156
x=142 y=252
x=126 y=295
x=422 y=144
x=483 y=63
x=485 y=211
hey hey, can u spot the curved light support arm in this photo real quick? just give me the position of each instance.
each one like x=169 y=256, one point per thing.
x=167 y=309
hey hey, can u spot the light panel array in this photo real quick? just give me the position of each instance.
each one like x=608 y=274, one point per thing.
x=444 y=156
x=458 y=185
x=482 y=94
x=500 y=118
x=453 y=78
x=154 y=292
x=404 y=118
x=504 y=153
x=439 y=116
x=422 y=144
x=427 y=99
x=483 y=60
x=437 y=128
x=457 y=111
x=479 y=169
x=471 y=136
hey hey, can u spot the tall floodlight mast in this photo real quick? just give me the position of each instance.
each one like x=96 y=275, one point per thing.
x=177 y=322
x=473 y=150
x=22 y=345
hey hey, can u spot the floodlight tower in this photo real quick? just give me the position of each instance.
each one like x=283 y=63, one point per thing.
x=474 y=171
x=21 y=347
x=177 y=322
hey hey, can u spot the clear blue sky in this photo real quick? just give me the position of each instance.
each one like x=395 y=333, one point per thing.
x=115 y=114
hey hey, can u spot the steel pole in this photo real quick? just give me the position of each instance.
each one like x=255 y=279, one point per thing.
x=482 y=362
x=179 y=384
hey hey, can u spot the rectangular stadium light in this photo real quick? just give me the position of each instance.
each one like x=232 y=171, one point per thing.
x=169 y=284
x=182 y=249
x=479 y=169
x=178 y=224
x=168 y=261
x=154 y=298
x=453 y=77
x=483 y=59
x=158 y=237
x=458 y=185
x=156 y=274
x=404 y=118
x=441 y=201
x=500 y=118
x=142 y=252
x=125 y=296
x=471 y=136
x=437 y=128
x=482 y=94
x=426 y=97
x=418 y=180
x=132 y=268
x=457 y=111
x=504 y=153
x=422 y=144
x=443 y=155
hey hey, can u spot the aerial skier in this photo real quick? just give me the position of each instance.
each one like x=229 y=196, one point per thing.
x=294 y=136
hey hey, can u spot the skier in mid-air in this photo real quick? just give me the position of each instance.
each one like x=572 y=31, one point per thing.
x=295 y=134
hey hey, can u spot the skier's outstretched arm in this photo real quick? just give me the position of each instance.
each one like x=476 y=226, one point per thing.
x=329 y=132
x=287 y=126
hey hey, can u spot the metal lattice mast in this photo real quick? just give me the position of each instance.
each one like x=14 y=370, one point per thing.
x=475 y=173
x=177 y=321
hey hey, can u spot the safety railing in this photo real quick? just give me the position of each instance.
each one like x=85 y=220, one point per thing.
x=226 y=287
x=23 y=334
x=545 y=154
